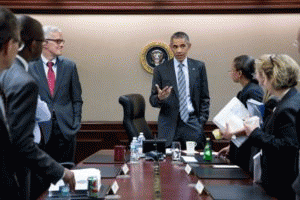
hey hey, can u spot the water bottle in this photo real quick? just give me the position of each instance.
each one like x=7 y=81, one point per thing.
x=133 y=150
x=141 y=139
x=207 y=151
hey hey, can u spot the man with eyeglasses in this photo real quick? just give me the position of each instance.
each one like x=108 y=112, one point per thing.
x=9 y=40
x=59 y=86
x=36 y=169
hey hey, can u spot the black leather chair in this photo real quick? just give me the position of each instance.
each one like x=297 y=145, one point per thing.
x=134 y=116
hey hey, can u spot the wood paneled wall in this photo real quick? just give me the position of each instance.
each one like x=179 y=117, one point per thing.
x=152 y=6
x=94 y=136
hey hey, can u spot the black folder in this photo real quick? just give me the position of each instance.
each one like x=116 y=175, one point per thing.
x=215 y=160
x=239 y=192
x=80 y=194
x=219 y=173
x=104 y=159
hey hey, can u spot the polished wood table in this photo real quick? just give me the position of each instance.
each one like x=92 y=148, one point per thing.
x=175 y=183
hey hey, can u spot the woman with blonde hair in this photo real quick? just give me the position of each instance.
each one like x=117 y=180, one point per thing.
x=278 y=139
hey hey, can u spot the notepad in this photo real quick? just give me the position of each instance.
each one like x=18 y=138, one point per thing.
x=189 y=159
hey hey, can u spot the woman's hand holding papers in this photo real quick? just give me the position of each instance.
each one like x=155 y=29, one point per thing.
x=228 y=132
x=251 y=124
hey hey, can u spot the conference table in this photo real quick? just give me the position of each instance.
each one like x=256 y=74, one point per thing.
x=141 y=182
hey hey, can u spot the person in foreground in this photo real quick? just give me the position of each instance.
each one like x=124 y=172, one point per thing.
x=296 y=184
x=180 y=90
x=9 y=44
x=21 y=92
x=278 y=138
x=60 y=87
x=242 y=72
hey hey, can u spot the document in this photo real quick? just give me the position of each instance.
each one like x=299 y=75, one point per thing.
x=257 y=167
x=256 y=108
x=189 y=159
x=81 y=177
x=234 y=113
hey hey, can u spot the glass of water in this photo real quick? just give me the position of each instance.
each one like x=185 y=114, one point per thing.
x=176 y=151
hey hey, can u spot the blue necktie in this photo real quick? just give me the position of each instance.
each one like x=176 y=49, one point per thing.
x=183 y=109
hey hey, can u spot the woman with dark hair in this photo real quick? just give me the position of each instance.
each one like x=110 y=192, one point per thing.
x=242 y=72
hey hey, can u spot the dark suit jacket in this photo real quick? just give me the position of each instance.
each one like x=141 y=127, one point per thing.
x=164 y=75
x=21 y=92
x=67 y=101
x=243 y=156
x=280 y=143
x=9 y=184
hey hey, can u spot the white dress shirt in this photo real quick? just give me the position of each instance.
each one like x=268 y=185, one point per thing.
x=42 y=111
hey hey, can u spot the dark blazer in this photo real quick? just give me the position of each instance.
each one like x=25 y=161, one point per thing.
x=21 y=91
x=9 y=184
x=243 y=156
x=280 y=143
x=164 y=75
x=67 y=101
x=251 y=91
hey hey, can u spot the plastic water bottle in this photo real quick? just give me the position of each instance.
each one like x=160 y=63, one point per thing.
x=133 y=150
x=141 y=139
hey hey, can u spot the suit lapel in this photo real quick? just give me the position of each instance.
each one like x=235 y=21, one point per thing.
x=41 y=73
x=192 y=76
x=59 y=75
x=171 y=69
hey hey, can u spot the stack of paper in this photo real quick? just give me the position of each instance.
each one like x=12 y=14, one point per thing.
x=81 y=177
x=234 y=113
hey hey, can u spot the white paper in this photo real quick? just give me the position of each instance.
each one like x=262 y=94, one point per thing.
x=115 y=187
x=199 y=187
x=213 y=153
x=257 y=167
x=168 y=151
x=254 y=107
x=238 y=141
x=225 y=166
x=189 y=159
x=190 y=153
x=81 y=177
x=188 y=169
x=233 y=113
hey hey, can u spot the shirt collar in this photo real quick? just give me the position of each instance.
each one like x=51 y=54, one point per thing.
x=23 y=61
x=45 y=60
x=176 y=62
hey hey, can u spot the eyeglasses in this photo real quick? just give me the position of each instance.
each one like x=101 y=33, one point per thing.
x=58 y=41
x=39 y=40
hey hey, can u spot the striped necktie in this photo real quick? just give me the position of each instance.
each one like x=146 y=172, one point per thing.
x=183 y=109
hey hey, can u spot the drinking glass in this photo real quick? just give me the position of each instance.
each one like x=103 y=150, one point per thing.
x=176 y=151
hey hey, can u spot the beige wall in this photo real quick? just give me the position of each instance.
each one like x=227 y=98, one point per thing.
x=107 y=50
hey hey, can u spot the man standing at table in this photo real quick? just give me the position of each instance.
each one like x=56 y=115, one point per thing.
x=59 y=86
x=180 y=90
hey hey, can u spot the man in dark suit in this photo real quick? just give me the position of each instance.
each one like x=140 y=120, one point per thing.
x=59 y=86
x=9 y=43
x=21 y=91
x=180 y=90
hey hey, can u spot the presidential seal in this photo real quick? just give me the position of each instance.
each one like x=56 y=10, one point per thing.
x=154 y=54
